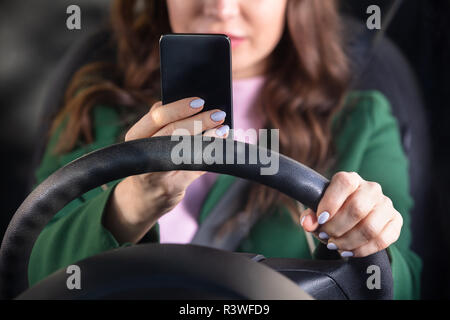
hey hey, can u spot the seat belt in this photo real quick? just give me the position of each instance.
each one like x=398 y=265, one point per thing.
x=230 y=204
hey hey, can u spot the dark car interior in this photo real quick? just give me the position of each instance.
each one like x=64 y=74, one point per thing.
x=379 y=63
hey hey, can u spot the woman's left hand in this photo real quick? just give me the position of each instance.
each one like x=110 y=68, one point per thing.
x=354 y=217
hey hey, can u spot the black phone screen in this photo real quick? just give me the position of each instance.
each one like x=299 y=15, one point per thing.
x=197 y=65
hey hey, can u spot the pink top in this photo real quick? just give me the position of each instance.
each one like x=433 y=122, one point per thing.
x=180 y=224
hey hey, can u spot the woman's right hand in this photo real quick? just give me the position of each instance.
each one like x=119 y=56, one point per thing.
x=139 y=201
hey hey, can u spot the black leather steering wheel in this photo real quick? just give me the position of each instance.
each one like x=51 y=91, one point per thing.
x=179 y=271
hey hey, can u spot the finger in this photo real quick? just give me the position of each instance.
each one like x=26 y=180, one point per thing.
x=308 y=220
x=368 y=229
x=161 y=115
x=220 y=132
x=355 y=208
x=195 y=124
x=342 y=185
x=388 y=236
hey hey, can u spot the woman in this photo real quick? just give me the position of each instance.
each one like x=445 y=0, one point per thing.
x=290 y=72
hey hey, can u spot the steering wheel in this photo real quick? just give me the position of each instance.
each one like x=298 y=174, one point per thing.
x=182 y=271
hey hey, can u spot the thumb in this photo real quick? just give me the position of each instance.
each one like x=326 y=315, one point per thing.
x=308 y=220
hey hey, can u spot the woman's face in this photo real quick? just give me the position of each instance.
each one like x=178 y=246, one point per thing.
x=254 y=27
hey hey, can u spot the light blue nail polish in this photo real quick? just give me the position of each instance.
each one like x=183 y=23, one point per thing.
x=332 y=246
x=346 y=254
x=323 y=217
x=197 y=103
x=222 y=130
x=302 y=220
x=218 y=116
x=323 y=236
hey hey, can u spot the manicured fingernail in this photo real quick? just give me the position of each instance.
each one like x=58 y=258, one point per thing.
x=222 y=130
x=323 y=236
x=332 y=246
x=346 y=254
x=218 y=116
x=302 y=220
x=323 y=217
x=197 y=103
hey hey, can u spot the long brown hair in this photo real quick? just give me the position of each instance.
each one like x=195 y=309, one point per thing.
x=307 y=79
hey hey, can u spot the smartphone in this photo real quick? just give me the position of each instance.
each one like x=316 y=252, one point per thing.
x=197 y=65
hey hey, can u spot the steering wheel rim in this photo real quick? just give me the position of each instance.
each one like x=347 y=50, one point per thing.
x=154 y=271
x=133 y=158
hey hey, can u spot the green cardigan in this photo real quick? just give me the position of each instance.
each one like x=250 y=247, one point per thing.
x=367 y=141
